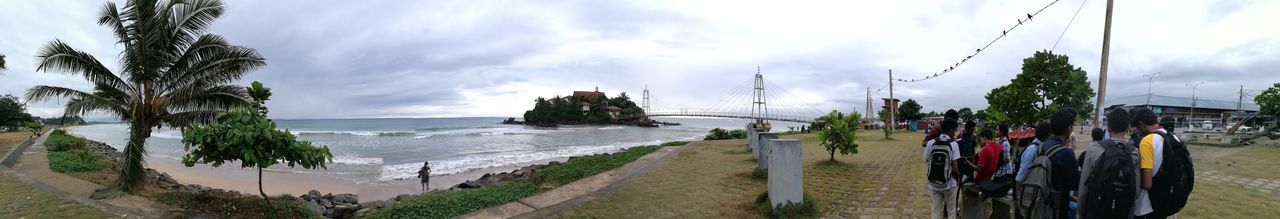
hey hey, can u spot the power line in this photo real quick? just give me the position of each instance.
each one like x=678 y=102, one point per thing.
x=979 y=51
x=1064 y=30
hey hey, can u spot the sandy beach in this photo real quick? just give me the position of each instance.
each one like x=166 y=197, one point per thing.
x=276 y=182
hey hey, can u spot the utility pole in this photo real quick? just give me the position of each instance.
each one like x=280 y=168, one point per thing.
x=1149 y=77
x=1193 y=101
x=1102 y=72
x=1240 y=102
x=868 y=112
x=893 y=108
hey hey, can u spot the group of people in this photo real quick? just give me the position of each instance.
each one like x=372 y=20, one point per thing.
x=1134 y=168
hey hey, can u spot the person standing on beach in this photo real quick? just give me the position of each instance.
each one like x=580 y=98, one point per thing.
x=425 y=174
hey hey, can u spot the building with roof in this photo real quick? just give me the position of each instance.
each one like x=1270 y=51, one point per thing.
x=1187 y=109
x=588 y=95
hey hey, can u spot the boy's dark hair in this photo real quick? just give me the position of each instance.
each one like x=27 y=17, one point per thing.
x=986 y=133
x=1169 y=122
x=1097 y=134
x=1043 y=131
x=1118 y=120
x=949 y=125
x=951 y=114
x=970 y=125
x=1003 y=129
x=1062 y=120
x=1144 y=116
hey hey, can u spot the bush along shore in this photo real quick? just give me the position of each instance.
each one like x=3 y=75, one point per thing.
x=497 y=189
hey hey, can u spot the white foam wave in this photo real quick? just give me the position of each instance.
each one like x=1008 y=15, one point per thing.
x=610 y=128
x=166 y=134
x=359 y=133
x=481 y=161
x=357 y=160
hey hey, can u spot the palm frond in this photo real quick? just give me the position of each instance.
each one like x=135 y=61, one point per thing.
x=223 y=66
x=222 y=97
x=110 y=17
x=60 y=57
x=80 y=106
x=189 y=118
x=191 y=18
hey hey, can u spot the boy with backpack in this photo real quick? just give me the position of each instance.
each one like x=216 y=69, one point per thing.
x=1166 y=174
x=1046 y=189
x=989 y=158
x=967 y=143
x=1109 y=172
x=941 y=155
x=1029 y=154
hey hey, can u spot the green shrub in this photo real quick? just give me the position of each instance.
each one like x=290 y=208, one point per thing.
x=450 y=204
x=738 y=134
x=674 y=143
x=789 y=210
x=583 y=167
x=75 y=160
x=238 y=207
x=721 y=134
x=62 y=142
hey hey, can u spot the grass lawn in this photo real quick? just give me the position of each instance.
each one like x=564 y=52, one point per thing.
x=1224 y=199
x=22 y=200
x=1256 y=162
x=713 y=179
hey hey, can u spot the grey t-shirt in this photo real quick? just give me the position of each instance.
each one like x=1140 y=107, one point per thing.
x=1091 y=156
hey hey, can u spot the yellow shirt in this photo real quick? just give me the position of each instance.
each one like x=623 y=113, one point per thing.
x=1146 y=152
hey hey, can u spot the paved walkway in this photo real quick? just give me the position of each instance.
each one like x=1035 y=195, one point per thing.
x=1266 y=186
x=547 y=203
x=32 y=167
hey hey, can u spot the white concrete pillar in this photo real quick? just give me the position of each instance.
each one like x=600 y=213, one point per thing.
x=751 y=141
x=764 y=140
x=786 y=184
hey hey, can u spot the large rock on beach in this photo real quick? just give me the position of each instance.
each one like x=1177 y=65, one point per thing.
x=315 y=207
x=346 y=198
x=311 y=195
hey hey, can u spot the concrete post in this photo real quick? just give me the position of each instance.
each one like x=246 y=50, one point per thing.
x=786 y=184
x=751 y=141
x=764 y=139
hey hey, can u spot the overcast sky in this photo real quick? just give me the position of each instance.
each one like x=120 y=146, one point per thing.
x=356 y=59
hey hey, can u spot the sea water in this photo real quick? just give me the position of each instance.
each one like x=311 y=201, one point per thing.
x=379 y=151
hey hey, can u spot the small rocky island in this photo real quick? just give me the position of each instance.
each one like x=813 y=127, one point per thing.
x=586 y=108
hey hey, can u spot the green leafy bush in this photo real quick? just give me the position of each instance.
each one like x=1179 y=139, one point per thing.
x=738 y=134
x=238 y=207
x=583 y=167
x=674 y=143
x=61 y=141
x=75 y=160
x=450 y=204
x=721 y=134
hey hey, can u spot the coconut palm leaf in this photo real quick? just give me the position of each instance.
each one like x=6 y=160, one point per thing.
x=171 y=73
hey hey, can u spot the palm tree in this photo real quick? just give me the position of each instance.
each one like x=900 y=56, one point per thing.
x=172 y=73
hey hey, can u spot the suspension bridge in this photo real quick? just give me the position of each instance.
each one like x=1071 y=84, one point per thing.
x=760 y=101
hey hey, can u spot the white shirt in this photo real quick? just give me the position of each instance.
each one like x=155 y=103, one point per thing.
x=955 y=155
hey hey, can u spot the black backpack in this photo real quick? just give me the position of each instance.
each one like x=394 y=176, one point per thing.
x=939 y=163
x=1111 y=183
x=1175 y=180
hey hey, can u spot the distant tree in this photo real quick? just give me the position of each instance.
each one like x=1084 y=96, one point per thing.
x=1269 y=101
x=34 y=127
x=717 y=134
x=2 y=66
x=909 y=110
x=171 y=73
x=932 y=114
x=1047 y=82
x=981 y=115
x=840 y=133
x=966 y=114
x=248 y=136
x=888 y=125
x=13 y=113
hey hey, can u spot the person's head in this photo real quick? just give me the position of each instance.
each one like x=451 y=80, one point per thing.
x=426 y=163
x=1043 y=131
x=1097 y=134
x=969 y=125
x=1118 y=122
x=949 y=126
x=986 y=135
x=1061 y=121
x=1133 y=118
x=1168 y=123
x=951 y=114
x=1002 y=130
x=1145 y=120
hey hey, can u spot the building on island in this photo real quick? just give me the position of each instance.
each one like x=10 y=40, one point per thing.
x=588 y=95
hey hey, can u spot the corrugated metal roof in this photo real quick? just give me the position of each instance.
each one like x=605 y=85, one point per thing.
x=1158 y=100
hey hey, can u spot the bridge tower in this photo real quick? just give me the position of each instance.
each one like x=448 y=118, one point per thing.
x=645 y=103
x=758 y=108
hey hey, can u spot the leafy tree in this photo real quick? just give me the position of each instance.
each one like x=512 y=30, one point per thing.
x=966 y=114
x=909 y=110
x=248 y=136
x=1047 y=82
x=888 y=125
x=34 y=126
x=981 y=115
x=1269 y=101
x=13 y=113
x=172 y=73
x=840 y=133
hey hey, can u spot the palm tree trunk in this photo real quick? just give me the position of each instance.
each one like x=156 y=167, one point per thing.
x=132 y=171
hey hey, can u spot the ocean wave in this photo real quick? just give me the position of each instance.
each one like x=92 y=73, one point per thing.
x=482 y=132
x=610 y=128
x=357 y=160
x=358 y=133
x=482 y=161
x=166 y=134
